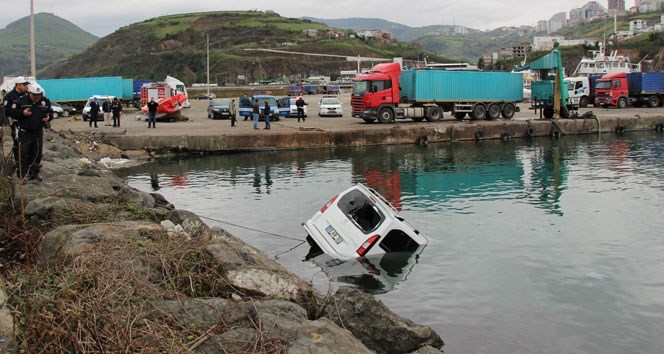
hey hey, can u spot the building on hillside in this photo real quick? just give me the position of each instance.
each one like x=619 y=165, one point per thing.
x=616 y=7
x=644 y=6
x=637 y=25
x=460 y=30
x=590 y=11
x=522 y=50
x=546 y=42
x=557 y=22
x=311 y=32
x=542 y=26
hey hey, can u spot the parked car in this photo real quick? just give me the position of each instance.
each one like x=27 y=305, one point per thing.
x=67 y=109
x=330 y=106
x=221 y=108
x=57 y=110
x=100 y=100
x=205 y=96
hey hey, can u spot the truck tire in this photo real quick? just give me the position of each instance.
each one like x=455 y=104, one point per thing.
x=548 y=112
x=417 y=119
x=385 y=115
x=583 y=102
x=369 y=120
x=479 y=111
x=508 y=110
x=493 y=112
x=654 y=101
x=434 y=114
x=622 y=103
x=459 y=115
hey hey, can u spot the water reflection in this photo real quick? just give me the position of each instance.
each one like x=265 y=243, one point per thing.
x=376 y=274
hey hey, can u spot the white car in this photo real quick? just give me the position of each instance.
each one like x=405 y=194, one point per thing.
x=57 y=110
x=100 y=100
x=330 y=106
x=359 y=222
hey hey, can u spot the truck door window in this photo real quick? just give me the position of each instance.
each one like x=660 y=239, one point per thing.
x=616 y=84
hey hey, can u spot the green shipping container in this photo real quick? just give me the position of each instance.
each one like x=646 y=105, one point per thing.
x=460 y=86
x=82 y=88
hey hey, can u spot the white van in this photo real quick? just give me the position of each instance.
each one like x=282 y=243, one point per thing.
x=100 y=99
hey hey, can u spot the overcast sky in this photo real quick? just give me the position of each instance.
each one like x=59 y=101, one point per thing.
x=104 y=17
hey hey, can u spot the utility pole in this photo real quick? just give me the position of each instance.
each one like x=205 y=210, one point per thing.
x=207 y=40
x=33 y=62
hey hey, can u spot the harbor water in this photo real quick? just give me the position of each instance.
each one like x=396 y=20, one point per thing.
x=535 y=246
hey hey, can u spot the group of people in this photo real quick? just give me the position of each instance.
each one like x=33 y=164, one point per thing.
x=109 y=110
x=28 y=111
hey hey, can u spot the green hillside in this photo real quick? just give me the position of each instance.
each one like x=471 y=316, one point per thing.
x=55 y=38
x=176 y=45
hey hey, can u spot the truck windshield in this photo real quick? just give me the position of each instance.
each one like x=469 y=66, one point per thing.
x=361 y=87
x=603 y=85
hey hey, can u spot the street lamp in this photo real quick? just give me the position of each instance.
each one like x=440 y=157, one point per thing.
x=207 y=40
x=33 y=62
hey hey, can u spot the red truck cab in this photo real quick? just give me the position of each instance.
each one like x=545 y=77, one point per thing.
x=376 y=89
x=612 y=90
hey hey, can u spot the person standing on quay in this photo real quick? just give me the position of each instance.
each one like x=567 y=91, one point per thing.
x=8 y=103
x=32 y=112
x=94 y=111
x=106 y=108
x=257 y=112
x=152 y=112
x=266 y=112
x=233 y=117
x=116 y=108
x=299 y=102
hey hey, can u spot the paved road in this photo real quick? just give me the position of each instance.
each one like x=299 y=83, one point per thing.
x=198 y=125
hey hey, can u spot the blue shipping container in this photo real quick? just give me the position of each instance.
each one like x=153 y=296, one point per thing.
x=648 y=83
x=127 y=89
x=80 y=89
x=461 y=86
x=137 y=87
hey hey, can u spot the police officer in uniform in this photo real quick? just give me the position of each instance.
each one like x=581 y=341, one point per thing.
x=31 y=113
x=8 y=103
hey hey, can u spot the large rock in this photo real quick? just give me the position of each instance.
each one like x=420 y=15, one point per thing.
x=376 y=326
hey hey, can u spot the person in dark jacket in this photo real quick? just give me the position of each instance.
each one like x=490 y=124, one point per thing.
x=152 y=112
x=106 y=109
x=116 y=108
x=94 y=111
x=299 y=102
x=256 y=111
x=266 y=113
x=8 y=103
x=32 y=112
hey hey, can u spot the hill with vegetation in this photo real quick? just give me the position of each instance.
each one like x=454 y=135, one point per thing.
x=176 y=45
x=363 y=23
x=55 y=38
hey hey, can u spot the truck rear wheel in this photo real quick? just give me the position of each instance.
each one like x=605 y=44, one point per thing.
x=508 y=111
x=434 y=114
x=654 y=101
x=622 y=103
x=459 y=115
x=369 y=120
x=479 y=111
x=385 y=115
x=417 y=119
x=493 y=112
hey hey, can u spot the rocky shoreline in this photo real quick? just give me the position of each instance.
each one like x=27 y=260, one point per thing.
x=196 y=288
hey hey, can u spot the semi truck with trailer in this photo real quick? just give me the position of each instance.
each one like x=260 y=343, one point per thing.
x=635 y=89
x=387 y=93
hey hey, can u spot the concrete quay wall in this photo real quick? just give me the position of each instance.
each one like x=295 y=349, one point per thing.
x=378 y=134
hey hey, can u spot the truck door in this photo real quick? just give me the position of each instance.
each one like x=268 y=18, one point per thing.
x=382 y=90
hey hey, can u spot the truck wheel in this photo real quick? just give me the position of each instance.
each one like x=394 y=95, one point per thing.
x=435 y=114
x=493 y=112
x=583 y=102
x=369 y=120
x=548 y=112
x=417 y=119
x=459 y=115
x=479 y=111
x=385 y=115
x=508 y=111
x=622 y=103
x=654 y=101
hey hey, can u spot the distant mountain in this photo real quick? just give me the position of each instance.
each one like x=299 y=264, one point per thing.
x=55 y=39
x=358 y=23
